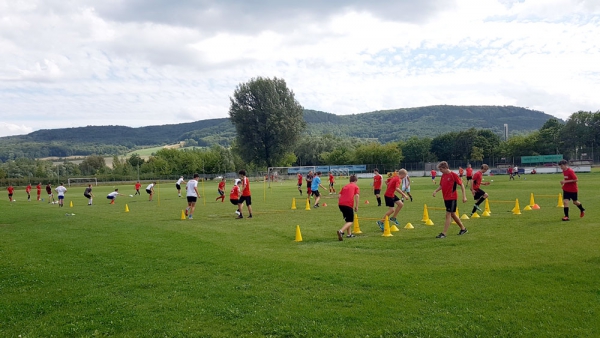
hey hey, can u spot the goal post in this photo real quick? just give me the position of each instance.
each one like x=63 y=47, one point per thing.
x=82 y=180
x=277 y=174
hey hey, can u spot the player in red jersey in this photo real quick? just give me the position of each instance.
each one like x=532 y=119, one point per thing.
x=28 y=191
x=448 y=183
x=433 y=175
x=11 y=191
x=377 y=179
x=246 y=196
x=331 y=184
x=478 y=194
x=221 y=190
x=469 y=173
x=300 y=183
x=138 y=185
x=461 y=172
x=348 y=205
x=569 y=186
x=392 y=201
x=39 y=190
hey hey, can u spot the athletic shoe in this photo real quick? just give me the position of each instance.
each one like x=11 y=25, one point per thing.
x=410 y=198
x=441 y=235
x=350 y=236
x=381 y=226
x=393 y=219
x=240 y=216
x=565 y=219
x=250 y=216
x=315 y=206
x=582 y=213
x=190 y=217
x=340 y=235
x=478 y=208
x=463 y=231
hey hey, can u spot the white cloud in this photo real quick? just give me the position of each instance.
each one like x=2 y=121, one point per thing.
x=133 y=62
x=8 y=129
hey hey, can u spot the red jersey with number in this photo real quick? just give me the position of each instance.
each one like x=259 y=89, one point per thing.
x=449 y=182
x=246 y=184
x=235 y=193
x=469 y=172
x=477 y=180
x=569 y=174
x=377 y=181
x=347 y=195
x=221 y=185
x=393 y=184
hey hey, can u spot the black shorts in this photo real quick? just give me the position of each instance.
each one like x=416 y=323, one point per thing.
x=221 y=192
x=478 y=194
x=469 y=178
x=450 y=205
x=316 y=193
x=234 y=201
x=149 y=191
x=10 y=195
x=87 y=195
x=347 y=213
x=331 y=184
x=390 y=201
x=569 y=195
x=192 y=199
x=247 y=199
x=177 y=186
x=376 y=191
x=299 y=185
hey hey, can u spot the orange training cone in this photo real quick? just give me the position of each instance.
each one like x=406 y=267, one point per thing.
x=324 y=204
x=356 y=228
x=386 y=228
x=298 y=234
x=294 y=203
x=366 y=201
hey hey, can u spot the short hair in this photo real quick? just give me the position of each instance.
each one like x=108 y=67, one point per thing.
x=443 y=165
x=196 y=175
x=485 y=166
x=376 y=170
x=116 y=189
x=353 y=178
x=403 y=172
x=563 y=162
x=318 y=173
x=242 y=172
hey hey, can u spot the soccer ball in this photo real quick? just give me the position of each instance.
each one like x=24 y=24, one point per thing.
x=492 y=181
x=130 y=195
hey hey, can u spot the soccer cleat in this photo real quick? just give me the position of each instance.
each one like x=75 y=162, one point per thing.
x=380 y=223
x=190 y=217
x=315 y=206
x=340 y=235
x=250 y=216
x=240 y=216
x=478 y=208
x=565 y=219
x=410 y=198
x=393 y=219
x=351 y=236
x=441 y=235
x=463 y=231
x=582 y=213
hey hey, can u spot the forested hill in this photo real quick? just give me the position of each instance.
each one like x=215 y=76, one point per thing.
x=384 y=126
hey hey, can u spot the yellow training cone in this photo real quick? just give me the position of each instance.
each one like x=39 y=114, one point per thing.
x=560 y=201
x=475 y=215
x=394 y=228
x=532 y=204
x=298 y=234
x=486 y=214
x=516 y=210
x=425 y=214
x=386 y=227
x=126 y=208
x=429 y=222
x=487 y=207
x=356 y=228
x=71 y=204
x=464 y=216
x=527 y=208
x=409 y=226
x=307 y=204
x=182 y=214
x=294 y=203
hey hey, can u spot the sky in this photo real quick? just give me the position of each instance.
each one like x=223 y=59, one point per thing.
x=73 y=63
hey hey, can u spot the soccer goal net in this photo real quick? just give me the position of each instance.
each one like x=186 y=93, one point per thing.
x=345 y=172
x=278 y=174
x=82 y=180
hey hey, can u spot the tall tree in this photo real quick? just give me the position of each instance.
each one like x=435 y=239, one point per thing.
x=267 y=118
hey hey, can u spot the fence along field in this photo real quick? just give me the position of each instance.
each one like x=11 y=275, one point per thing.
x=146 y=272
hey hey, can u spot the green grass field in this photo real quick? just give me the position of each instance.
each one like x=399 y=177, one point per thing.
x=147 y=273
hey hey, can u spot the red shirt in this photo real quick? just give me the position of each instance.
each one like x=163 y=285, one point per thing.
x=235 y=193
x=569 y=174
x=246 y=184
x=221 y=185
x=461 y=171
x=433 y=173
x=138 y=186
x=39 y=188
x=448 y=182
x=331 y=179
x=10 y=190
x=469 y=172
x=299 y=179
x=392 y=185
x=377 y=181
x=510 y=170
x=28 y=189
x=477 y=180
x=347 y=195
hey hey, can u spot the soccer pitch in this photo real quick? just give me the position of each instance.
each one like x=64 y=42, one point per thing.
x=147 y=273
